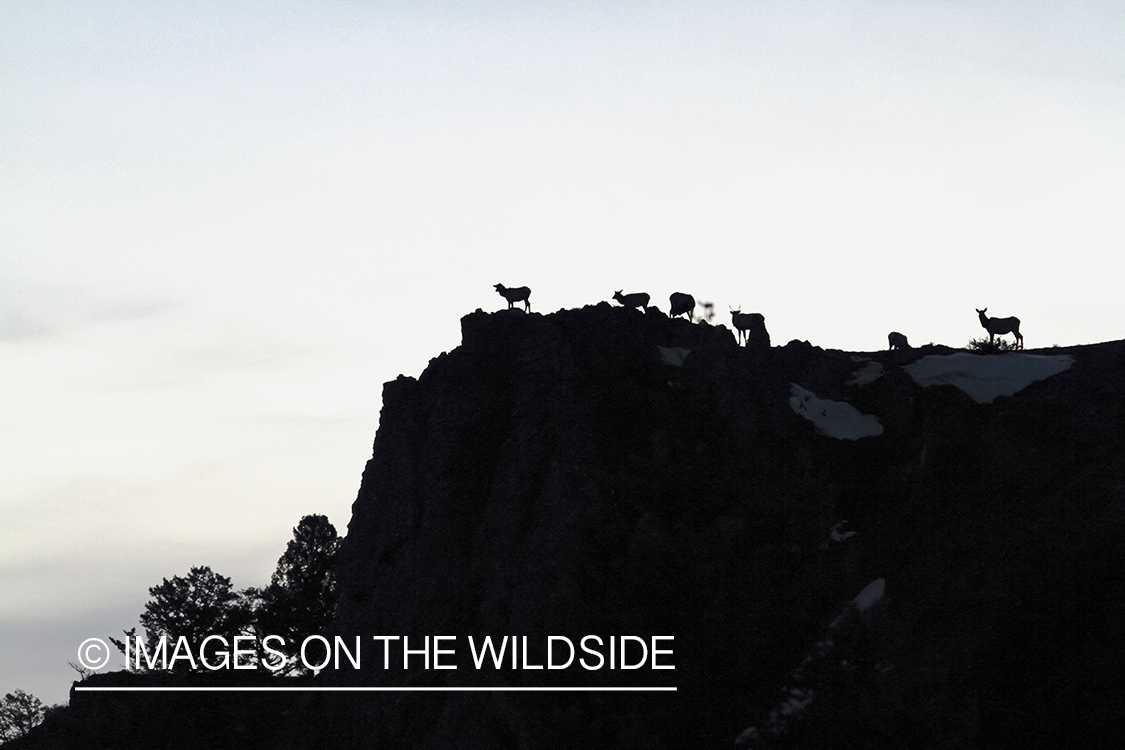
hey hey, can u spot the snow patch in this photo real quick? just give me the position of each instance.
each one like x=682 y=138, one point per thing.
x=984 y=377
x=869 y=373
x=837 y=536
x=674 y=356
x=748 y=735
x=863 y=601
x=797 y=697
x=834 y=418
x=871 y=594
x=796 y=701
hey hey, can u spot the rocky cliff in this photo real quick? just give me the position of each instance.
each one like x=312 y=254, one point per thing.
x=918 y=548
x=953 y=578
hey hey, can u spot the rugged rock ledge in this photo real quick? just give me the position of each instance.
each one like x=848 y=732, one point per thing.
x=555 y=475
x=953 y=579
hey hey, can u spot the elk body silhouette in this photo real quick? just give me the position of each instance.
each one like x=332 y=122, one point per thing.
x=749 y=326
x=897 y=341
x=514 y=295
x=636 y=299
x=1000 y=326
x=682 y=303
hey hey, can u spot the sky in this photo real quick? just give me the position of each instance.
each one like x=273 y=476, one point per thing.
x=224 y=225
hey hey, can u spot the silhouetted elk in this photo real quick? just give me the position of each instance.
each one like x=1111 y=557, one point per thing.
x=636 y=299
x=897 y=341
x=750 y=327
x=518 y=294
x=1000 y=326
x=681 y=303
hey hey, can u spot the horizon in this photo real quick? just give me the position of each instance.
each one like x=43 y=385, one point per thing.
x=224 y=228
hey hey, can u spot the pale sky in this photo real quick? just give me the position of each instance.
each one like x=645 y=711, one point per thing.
x=224 y=225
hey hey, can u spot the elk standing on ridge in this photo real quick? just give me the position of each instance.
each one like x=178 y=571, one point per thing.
x=636 y=299
x=681 y=303
x=1000 y=326
x=750 y=326
x=897 y=341
x=518 y=294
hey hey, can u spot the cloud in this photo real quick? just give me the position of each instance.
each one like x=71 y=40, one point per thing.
x=29 y=312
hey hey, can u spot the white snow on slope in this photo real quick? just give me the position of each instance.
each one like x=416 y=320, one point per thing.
x=674 y=356
x=871 y=593
x=834 y=418
x=798 y=697
x=984 y=377
x=837 y=536
x=863 y=601
x=869 y=373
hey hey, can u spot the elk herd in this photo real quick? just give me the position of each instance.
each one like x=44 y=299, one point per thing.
x=751 y=327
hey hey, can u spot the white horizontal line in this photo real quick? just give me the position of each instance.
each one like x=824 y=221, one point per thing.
x=245 y=689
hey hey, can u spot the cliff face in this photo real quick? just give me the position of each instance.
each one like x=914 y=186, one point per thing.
x=579 y=473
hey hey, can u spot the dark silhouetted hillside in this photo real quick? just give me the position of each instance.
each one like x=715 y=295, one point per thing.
x=556 y=475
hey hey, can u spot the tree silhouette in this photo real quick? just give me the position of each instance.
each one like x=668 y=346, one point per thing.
x=19 y=713
x=196 y=606
x=299 y=601
x=301 y=597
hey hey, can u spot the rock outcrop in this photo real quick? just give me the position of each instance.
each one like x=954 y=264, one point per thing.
x=843 y=557
x=564 y=475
